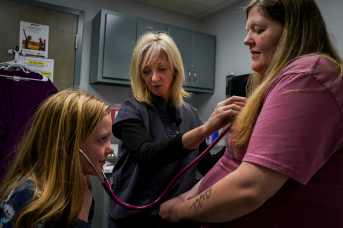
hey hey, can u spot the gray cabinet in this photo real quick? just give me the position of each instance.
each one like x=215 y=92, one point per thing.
x=183 y=39
x=144 y=26
x=203 y=61
x=198 y=55
x=113 y=40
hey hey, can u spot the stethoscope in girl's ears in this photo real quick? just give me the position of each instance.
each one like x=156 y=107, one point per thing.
x=106 y=184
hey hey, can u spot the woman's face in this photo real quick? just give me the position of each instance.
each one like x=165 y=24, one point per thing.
x=97 y=146
x=262 y=39
x=158 y=76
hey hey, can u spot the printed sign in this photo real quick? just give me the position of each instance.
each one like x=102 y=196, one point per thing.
x=34 y=39
x=43 y=66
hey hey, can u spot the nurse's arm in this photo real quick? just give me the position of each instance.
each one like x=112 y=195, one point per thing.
x=224 y=112
x=236 y=195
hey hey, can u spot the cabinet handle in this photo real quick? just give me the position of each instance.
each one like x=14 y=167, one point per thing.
x=194 y=75
x=189 y=74
x=76 y=41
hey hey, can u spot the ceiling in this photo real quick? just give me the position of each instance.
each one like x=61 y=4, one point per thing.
x=195 y=8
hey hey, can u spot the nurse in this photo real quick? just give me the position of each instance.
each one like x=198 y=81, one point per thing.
x=284 y=160
x=48 y=184
x=159 y=134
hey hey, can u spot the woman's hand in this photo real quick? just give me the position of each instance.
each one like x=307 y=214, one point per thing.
x=87 y=201
x=169 y=210
x=225 y=112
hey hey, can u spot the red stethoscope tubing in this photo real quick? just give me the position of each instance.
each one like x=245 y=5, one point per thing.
x=107 y=186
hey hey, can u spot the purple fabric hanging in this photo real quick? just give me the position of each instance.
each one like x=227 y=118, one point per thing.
x=19 y=100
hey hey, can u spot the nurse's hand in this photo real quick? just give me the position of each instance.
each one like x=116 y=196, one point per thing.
x=224 y=113
x=221 y=116
x=169 y=210
x=87 y=201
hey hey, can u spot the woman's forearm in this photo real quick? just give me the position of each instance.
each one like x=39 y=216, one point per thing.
x=219 y=203
x=193 y=138
x=234 y=196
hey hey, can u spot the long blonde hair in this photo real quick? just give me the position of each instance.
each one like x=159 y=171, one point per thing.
x=146 y=51
x=304 y=33
x=49 y=156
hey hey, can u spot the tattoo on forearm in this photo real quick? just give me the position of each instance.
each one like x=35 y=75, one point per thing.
x=198 y=202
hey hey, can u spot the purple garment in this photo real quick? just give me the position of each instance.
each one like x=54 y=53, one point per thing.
x=19 y=101
x=298 y=134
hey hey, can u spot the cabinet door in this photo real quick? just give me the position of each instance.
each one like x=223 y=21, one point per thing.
x=144 y=26
x=120 y=38
x=203 y=61
x=183 y=40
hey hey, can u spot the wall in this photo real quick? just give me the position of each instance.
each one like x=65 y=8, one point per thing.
x=228 y=26
x=233 y=56
x=116 y=94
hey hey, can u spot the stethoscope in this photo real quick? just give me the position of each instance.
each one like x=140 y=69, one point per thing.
x=106 y=184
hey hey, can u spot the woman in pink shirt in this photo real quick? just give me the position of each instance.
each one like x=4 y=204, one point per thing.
x=284 y=160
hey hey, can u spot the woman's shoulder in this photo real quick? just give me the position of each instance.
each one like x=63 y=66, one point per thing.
x=131 y=104
x=130 y=108
x=187 y=106
x=306 y=64
x=131 y=100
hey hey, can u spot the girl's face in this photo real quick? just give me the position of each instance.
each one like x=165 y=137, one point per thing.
x=262 y=39
x=158 y=76
x=97 y=146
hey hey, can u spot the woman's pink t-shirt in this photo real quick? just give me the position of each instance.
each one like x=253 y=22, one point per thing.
x=299 y=134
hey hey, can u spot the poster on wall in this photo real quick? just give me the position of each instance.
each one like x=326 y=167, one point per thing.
x=34 y=39
x=43 y=66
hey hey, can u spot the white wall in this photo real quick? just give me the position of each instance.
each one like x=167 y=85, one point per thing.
x=115 y=94
x=332 y=12
x=233 y=56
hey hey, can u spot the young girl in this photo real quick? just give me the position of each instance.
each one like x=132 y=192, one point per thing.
x=48 y=184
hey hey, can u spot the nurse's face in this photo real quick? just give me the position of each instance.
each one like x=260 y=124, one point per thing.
x=158 y=76
x=97 y=146
x=262 y=39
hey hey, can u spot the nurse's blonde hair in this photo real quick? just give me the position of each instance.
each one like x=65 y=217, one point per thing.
x=49 y=156
x=147 y=49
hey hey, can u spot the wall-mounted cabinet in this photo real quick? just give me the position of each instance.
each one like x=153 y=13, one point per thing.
x=113 y=39
x=144 y=26
x=198 y=55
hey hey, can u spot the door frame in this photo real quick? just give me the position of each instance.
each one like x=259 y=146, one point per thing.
x=80 y=14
